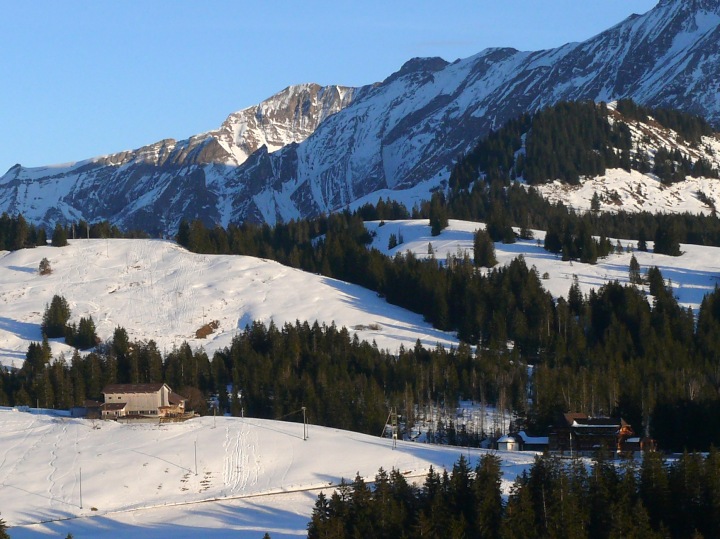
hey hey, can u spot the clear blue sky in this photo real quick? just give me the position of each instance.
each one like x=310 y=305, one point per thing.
x=87 y=78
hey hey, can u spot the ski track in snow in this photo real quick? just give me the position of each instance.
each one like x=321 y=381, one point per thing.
x=9 y=449
x=140 y=477
x=53 y=464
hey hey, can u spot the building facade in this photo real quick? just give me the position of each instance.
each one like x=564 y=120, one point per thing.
x=141 y=400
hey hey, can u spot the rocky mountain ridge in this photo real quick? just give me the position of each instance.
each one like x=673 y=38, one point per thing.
x=313 y=149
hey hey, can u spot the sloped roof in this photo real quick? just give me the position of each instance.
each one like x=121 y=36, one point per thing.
x=133 y=388
x=175 y=398
x=537 y=440
x=112 y=406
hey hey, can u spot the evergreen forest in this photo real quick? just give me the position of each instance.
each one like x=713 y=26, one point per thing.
x=626 y=350
x=554 y=499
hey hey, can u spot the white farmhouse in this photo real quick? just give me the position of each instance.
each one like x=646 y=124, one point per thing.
x=141 y=400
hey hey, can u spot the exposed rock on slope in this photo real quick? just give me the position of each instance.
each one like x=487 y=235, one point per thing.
x=310 y=149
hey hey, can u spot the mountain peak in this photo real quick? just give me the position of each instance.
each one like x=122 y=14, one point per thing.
x=419 y=66
x=327 y=147
x=690 y=6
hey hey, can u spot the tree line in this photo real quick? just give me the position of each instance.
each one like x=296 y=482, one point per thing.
x=270 y=372
x=622 y=349
x=553 y=499
x=610 y=352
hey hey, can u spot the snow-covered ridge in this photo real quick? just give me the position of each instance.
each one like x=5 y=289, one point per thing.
x=310 y=150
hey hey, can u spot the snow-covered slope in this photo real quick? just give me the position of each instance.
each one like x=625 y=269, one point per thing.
x=157 y=290
x=632 y=191
x=405 y=131
x=692 y=275
x=224 y=477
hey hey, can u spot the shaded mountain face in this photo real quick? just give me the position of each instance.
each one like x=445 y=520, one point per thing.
x=313 y=149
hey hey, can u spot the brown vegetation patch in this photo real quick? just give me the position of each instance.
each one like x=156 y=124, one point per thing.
x=372 y=327
x=207 y=329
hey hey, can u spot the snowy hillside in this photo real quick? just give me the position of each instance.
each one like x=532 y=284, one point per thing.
x=691 y=275
x=310 y=150
x=632 y=191
x=157 y=290
x=224 y=477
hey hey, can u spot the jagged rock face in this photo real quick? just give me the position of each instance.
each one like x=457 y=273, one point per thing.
x=290 y=116
x=313 y=149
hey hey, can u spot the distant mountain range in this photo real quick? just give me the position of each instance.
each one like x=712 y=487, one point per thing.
x=312 y=149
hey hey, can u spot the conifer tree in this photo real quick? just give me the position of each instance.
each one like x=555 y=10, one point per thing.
x=59 y=237
x=642 y=240
x=634 y=272
x=667 y=239
x=484 y=249
x=438 y=214
x=56 y=317
x=488 y=497
x=44 y=267
x=3 y=530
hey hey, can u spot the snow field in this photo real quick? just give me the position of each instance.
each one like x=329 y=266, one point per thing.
x=252 y=475
x=157 y=290
x=692 y=275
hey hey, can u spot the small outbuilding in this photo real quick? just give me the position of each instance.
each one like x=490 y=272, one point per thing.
x=508 y=443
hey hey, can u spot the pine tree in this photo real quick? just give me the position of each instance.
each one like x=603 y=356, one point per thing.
x=642 y=240
x=3 y=530
x=183 y=235
x=55 y=318
x=634 y=273
x=438 y=214
x=521 y=519
x=488 y=496
x=484 y=249
x=59 y=237
x=44 y=267
x=85 y=337
x=392 y=242
x=667 y=239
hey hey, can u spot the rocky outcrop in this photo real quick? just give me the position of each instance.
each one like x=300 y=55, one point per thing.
x=313 y=149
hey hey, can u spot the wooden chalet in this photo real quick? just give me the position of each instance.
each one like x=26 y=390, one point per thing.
x=578 y=433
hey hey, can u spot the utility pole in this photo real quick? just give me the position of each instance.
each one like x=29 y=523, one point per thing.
x=394 y=426
x=304 y=424
x=81 y=488
x=195 y=457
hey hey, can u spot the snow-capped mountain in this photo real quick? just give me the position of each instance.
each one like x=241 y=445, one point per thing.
x=310 y=149
x=153 y=187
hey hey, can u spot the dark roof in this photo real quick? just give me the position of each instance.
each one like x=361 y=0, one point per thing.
x=174 y=398
x=114 y=405
x=576 y=419
x=597 y=422
x=92 y=404
x=132 y=388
